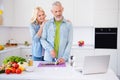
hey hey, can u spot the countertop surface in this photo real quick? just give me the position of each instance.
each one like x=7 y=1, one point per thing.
x=11 y=48
x=57 y=73
x=75 y=46
x=29 y=47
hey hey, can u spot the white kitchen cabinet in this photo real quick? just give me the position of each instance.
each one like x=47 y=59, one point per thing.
x=79 y=53
x=113 y=57
x=105 y=13
x=8 y=12
x=118 y=66
x=80 y=12
x=83 y=12
x=12 y=52
x=22 y=12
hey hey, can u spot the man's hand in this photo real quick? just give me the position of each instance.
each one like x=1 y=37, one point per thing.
x=61 y=60
x=53 y=54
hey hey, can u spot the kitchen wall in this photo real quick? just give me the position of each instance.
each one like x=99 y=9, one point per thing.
x=99 y=13
x=21 y=34
x=83 y=33
x=4 y=35
x=82 y=13
x=8 y=12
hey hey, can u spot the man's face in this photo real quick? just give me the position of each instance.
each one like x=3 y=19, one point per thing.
x=57 y=12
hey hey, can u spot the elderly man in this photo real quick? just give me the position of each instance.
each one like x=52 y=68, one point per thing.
x=57 y=36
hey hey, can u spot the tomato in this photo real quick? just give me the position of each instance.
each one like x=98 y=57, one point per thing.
x=7 y=71
x=15 y=65
x=14 y=62
x=13 y=70
x=18 y=71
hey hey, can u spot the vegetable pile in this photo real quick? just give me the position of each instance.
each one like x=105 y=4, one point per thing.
x=13 y=64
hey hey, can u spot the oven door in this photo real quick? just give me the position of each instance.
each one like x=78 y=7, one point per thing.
x=106 y=38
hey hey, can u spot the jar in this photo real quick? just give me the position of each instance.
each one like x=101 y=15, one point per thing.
x=29 y=60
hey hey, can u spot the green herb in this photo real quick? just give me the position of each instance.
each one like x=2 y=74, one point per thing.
x=14 y=59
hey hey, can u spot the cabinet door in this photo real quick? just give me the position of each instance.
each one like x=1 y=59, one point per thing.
x=105 y=14
x=25 y=51
x=113 y=57
x=8 y=12
x=83 y=12
x=118 y=62
x=79 y=55
x=22 y=12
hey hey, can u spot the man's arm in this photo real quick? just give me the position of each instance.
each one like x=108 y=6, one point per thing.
x=44 y=42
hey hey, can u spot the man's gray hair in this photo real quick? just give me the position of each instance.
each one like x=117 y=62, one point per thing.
x=57 y=3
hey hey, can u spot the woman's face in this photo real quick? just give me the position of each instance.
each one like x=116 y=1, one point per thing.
x=41 y=16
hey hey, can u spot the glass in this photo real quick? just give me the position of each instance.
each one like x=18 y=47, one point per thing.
x=29 y=60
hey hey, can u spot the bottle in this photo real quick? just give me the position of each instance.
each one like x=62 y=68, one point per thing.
x=71 y=61
x=30 y=61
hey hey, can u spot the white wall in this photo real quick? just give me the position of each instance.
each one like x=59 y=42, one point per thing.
x=83 y=33
x=8 y=12
x=22 y=12
x=99 y=13
x=105 y=13
x=83 y=12
x=22 y=34
x=4 y=35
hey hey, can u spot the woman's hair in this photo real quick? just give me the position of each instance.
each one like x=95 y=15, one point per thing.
x=34 y=16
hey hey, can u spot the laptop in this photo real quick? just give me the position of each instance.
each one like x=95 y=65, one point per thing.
x=95 y=64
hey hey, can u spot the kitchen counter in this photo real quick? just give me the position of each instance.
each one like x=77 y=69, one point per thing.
x=14 y=48
x=57 y=73
x=75 y=46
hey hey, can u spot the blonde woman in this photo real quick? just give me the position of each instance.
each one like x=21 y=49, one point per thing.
x=36 y=27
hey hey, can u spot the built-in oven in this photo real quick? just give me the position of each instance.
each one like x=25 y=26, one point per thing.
x=106 y=38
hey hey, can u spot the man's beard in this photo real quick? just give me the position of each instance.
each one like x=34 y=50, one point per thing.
x=59 y=18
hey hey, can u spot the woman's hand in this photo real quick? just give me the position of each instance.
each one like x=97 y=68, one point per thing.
x=41 y=28
x=43 y=23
